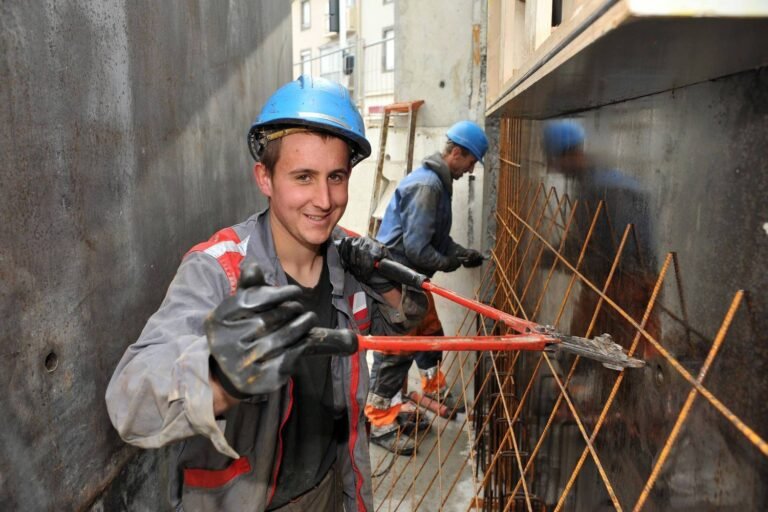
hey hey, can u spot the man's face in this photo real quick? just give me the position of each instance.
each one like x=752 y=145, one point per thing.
x=308 y=188
x=460 y=164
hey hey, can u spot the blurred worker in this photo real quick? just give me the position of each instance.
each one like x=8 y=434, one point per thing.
x=219 y=366
x=625 y=201
x=416 y=229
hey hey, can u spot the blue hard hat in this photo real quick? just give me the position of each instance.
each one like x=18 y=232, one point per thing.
x=469 y=136
x=562 y=135
x=314 y=103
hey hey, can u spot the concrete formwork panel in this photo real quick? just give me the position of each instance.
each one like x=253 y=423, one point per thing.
x=687 y=170
x=124 y=144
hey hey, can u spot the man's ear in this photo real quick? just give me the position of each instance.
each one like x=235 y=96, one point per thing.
x=263 y=179
x=454 y=153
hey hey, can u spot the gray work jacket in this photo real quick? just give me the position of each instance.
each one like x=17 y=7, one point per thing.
x=160 y=392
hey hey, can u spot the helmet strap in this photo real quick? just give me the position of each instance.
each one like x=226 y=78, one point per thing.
x=279 y=134
x=257 y=142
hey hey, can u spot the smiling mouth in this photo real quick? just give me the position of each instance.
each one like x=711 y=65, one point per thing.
x=316 y=218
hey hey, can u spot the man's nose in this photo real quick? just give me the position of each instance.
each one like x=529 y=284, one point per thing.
x=322 y=196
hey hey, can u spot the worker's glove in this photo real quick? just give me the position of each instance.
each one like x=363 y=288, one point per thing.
x=257 y=335
x=450 y=263
x=471 y=258
x=451 y=259
x=359 y=256
x=468 y=257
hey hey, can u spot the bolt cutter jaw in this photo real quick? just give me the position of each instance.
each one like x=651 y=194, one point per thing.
x=600 y=348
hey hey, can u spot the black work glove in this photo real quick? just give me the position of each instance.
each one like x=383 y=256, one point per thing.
x=471 y=258
x=452 y=259
x=450 y=263
x=257 y=335
x=359 y=256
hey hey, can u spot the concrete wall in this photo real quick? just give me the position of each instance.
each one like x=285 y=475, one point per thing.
x=123 y=145
x=697 y=156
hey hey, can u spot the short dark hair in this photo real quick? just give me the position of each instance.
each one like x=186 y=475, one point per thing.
x=449 y=145
x=271 y=152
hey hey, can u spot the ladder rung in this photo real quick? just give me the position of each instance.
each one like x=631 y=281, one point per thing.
x=404 y=106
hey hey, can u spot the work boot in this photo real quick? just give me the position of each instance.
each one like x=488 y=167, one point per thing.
x=396 y=442
x=445 y=397
x=409 y=425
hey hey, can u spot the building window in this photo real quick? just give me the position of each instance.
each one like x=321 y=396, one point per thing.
x=306 y=62
x=306 y=15
x=388 y=56
x=330 y=62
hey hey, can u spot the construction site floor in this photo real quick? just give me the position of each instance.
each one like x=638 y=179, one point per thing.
x=419 y=482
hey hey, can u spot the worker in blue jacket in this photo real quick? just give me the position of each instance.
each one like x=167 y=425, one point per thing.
x=416 y=230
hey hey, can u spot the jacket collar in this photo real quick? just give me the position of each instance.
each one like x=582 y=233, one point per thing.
x=261 y=249
x=436 y=164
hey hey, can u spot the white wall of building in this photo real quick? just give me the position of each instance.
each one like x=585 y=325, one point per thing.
x=316 y=35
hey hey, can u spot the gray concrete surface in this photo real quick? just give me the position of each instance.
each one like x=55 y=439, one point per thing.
x=694 y=179
x=123 y=144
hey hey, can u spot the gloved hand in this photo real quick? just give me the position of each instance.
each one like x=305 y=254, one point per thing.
x=359 y=256
x=468 y=257
x=471 y=258
x=450 y=263
x=256 y=335
x=453 y=260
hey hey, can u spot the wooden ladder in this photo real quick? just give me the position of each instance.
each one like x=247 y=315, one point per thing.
x=382 y=186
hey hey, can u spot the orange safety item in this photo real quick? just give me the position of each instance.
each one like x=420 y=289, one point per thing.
x=381 y=417
x=435 y=384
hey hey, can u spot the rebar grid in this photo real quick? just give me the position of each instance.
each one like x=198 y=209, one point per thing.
x=539 y=240
x=519 y=220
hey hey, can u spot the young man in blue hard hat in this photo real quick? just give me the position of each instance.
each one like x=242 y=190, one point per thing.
x=416 y=230
x=221 y=365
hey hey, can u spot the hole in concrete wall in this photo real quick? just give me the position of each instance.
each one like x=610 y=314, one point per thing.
x=442 y=84
x=51 y=361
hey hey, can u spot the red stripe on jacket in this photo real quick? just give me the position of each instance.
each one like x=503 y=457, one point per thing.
x=276 y=472
x=229 y=260
x=212 y=478
x=355 y=417
x=349 y=232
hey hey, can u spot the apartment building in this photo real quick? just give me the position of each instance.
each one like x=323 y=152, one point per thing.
x=351 y=42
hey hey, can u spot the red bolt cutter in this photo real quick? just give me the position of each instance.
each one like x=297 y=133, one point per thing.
x=531 y=336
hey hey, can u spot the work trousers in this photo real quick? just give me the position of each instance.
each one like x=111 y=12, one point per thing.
x=328 y=496
x=389 y=371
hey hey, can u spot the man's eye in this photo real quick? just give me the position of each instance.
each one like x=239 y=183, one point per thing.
x=338 y=178
x=303 y=178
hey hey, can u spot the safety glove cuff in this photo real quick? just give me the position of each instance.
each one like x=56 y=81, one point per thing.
x=359 y=256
